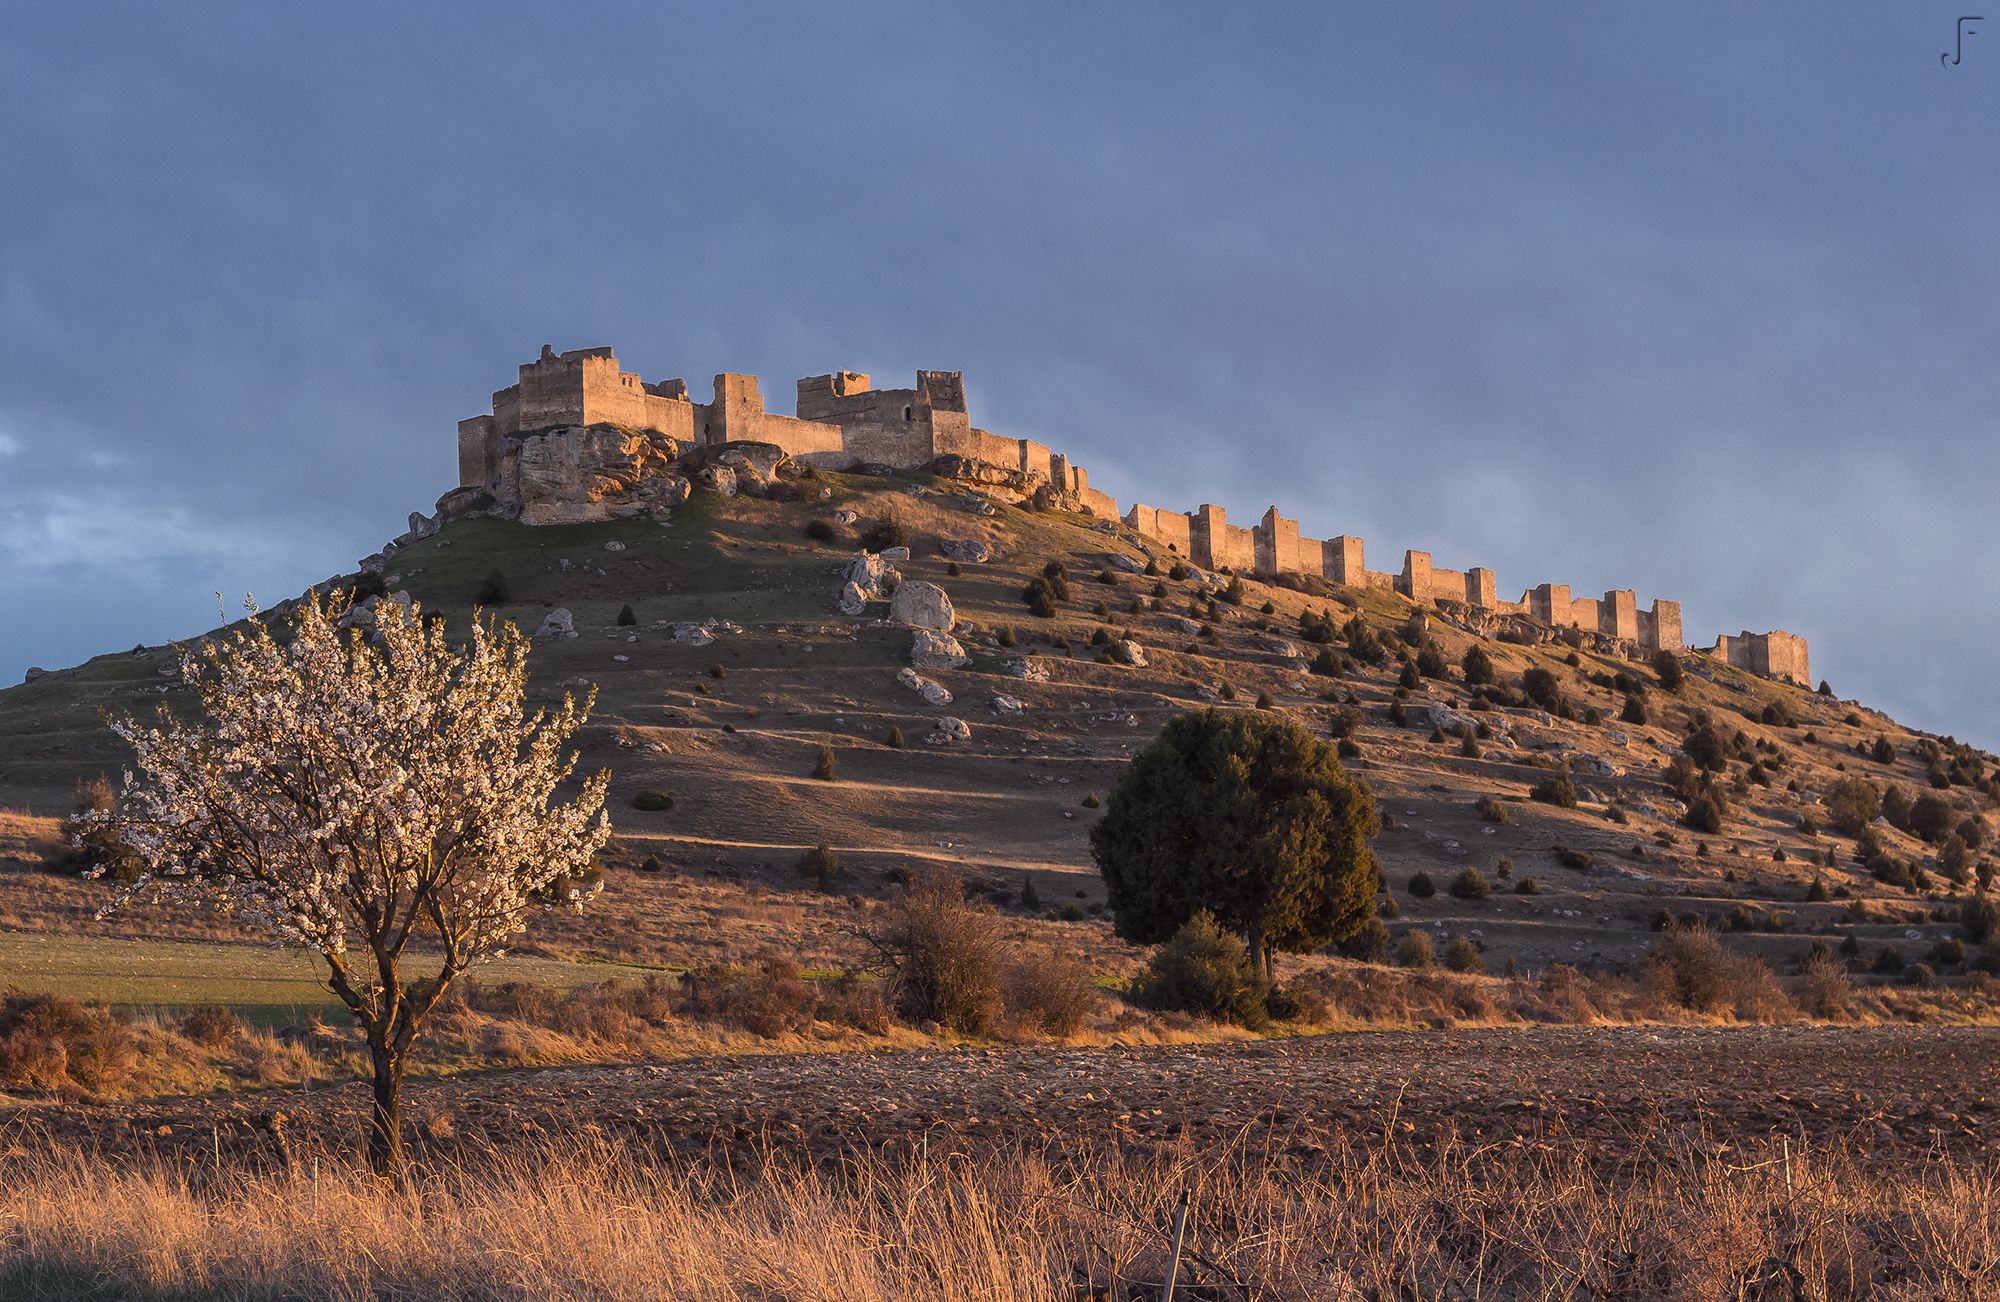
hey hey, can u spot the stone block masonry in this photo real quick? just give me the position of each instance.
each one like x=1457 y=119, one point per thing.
x=843 y=422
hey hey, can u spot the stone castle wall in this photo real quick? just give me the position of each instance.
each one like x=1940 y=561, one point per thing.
x=843 y=421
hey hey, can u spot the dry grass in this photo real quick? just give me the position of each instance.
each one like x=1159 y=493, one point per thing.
x=1353 y=1219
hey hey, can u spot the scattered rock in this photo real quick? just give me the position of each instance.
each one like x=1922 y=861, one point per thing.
x=1120 y=561
x=1182 y=624
x=971 y=551
x=852 y=599
x=922 y=605
x=1127 y=652
x=1029 y=669
x=895 y=553
x=949 y=732
x=614 y=546
x=845 y=516
x=557 y=623
x=692 y=635
x=930 y=649
x=1007 y=705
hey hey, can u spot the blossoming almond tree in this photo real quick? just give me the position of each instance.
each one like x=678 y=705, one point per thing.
x=386 y=802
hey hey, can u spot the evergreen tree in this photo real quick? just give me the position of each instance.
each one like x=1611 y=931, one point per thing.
x=1248 y=817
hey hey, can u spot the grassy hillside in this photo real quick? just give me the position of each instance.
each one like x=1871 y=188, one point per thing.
x=731 y=731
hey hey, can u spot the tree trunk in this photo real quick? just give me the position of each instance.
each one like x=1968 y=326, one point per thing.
x=385 y=1119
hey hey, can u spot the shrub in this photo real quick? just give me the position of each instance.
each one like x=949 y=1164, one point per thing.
x=1852 y=804
x=1688 y=967
x=1555 y=789
x=1421 y=886
x=1491 y=809
x=1478 y=667
x=1370 y=944
x=1634 y=711
x=884 y=534
x=820 y=865
x=1930 y=817
x=1048 y=993
x=1823 y=990
x=90 y=840
x=494 y=590
x=1706 y=812
x=212 y=1026
x=1947 y=951
x=1430 y=662
x=1527 y=886
x=824 y=765
x=1416 y=949
x=627 y=617
x=1667 y=668
x=1979 y=918
x=652 y=802
x=1581 y=860
x=1041 y=598
x=1463 y=955
x=820 y=530
x=944 y=956
x=1541 y=686
x=895 y=738
x=51 y=1042
x=1470 y=884
x=1205 y=970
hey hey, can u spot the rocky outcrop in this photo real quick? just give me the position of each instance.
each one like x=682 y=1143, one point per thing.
x=930 y=649
x=922 y=605
x=871 y=575
x=580 y=473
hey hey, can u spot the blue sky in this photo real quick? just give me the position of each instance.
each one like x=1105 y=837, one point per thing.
x=1688 y=298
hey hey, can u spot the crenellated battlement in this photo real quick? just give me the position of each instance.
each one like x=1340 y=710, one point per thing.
x=1274 y=545
x=843 y=421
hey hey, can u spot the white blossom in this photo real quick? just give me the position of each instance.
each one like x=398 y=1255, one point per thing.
x=365 y=797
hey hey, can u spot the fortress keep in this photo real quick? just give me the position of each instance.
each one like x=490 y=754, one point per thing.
x=627 y=431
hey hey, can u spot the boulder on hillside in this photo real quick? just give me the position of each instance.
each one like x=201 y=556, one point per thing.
x=692 y=635
x=930 y=649
x=1120 y=561
x=557 y=623
x=1007 y=705
x=949 y=731
x=970 y=551
x=922 y=605
x=1125 y=651
x=718 y=479
x=852 y=600
x=872 y=574
x=1029 y=669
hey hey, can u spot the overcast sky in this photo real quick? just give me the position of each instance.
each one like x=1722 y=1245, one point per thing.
x=1694 y=299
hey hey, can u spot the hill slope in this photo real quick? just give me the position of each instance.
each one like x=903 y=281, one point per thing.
x=731 y=730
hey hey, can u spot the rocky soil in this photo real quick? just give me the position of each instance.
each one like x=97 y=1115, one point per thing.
x=1885 y=1091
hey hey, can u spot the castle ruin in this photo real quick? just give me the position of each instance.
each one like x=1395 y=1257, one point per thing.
x=843 y=422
